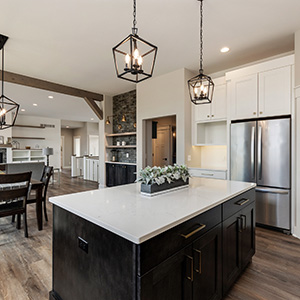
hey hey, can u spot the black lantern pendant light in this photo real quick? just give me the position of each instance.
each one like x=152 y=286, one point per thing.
x=7 y=106
x=201 y=87
x=134 y=57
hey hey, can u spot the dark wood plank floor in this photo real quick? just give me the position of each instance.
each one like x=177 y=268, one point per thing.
x=25 y=264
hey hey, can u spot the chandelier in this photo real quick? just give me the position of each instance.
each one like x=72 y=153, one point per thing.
x=134 y=57
x=201 y=87
x=8 y=107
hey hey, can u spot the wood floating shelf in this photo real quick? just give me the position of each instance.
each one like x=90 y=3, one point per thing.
x=30 y=126
x=120 y=134
x=117 y=147
x=27 y=138
x=5 y=145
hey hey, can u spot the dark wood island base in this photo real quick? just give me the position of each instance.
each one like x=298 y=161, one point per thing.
x=198 y=259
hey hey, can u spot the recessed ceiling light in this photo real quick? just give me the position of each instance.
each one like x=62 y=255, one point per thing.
x=67 y=126
x=92 y=119
x=22 y=109
x=34 y=104
x=224 y=49
x=50 y=97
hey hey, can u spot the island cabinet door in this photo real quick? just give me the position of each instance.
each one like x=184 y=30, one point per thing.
x=110 y=175
x=172 y=279
x=248 y=234
x=207 y=284
x=231 y=251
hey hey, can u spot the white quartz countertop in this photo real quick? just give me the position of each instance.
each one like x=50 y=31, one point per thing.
x=137 y=218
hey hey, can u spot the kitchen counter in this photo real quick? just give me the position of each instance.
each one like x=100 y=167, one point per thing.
x=137 y=218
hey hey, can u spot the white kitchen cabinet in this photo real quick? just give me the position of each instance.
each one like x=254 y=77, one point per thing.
x=208 y=173
x=275 y=92
x=91 y=169
x=28 y=155
x=217 y=110
x=244 y=97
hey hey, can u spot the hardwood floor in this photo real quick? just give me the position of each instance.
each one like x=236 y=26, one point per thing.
x=25 y=264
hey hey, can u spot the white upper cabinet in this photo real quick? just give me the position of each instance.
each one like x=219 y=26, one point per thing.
x=217 y=110
x=244 y=94
x=261 y=90
x=275 y=92
x=219 y=103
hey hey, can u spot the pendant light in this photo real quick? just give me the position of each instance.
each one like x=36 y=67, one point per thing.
x=201 y=87
x=134 y=58
x=7 y=106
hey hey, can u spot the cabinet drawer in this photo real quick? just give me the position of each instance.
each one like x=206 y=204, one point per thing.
x=237 y=203
x=216 y=174
x=156 y=250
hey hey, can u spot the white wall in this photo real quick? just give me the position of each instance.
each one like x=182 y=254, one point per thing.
x=51 y=135
x=161 y=96
x=297 y=58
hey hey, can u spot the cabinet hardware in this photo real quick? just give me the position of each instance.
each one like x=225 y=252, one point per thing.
x=208 y=116
x=254 y=113
x=191 y=277
x=244 y=222
x=212 y=115
x=186 y=236
x=200 y=261
x=240 y=225
x=207 y=174
x=261 y=112
x=242 y=202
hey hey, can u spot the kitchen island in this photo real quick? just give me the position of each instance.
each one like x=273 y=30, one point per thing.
x=115 y=243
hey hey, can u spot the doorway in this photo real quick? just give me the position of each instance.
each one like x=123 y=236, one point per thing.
x=76 y=145
x=160 y=141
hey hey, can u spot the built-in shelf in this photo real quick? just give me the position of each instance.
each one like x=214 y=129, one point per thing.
x=210 y=133
x=23 y=155
x=5 y=145
x=120 y=134
x=118 y=147
x=27 y=138
x=30 y=126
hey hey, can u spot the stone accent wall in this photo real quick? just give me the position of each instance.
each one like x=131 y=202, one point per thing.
x=125 y=104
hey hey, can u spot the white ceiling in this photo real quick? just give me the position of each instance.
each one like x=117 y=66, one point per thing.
x=62 y=107
x=70 y=42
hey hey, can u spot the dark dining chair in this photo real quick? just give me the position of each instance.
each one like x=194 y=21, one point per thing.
x=14 y=189
x=47 y=173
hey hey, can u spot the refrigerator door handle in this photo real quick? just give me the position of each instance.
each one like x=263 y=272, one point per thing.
x=253 y=152
x=259 y=152
x=271 y=191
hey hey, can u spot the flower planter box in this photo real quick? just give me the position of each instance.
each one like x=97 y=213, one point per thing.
x=151 y=189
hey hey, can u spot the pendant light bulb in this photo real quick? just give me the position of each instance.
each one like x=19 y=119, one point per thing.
x=123 y=118
x=2 y=112
x=140 y=61
x=107 y=122
x=136 y=53
x=127 y=59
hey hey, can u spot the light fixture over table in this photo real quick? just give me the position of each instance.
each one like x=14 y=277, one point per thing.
x=201 y=87
x=6 y=105
x=134 y=57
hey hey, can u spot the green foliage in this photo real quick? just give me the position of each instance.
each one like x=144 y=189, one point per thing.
x=160 y=175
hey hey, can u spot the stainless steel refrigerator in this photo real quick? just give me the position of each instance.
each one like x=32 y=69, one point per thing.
x=260 y=152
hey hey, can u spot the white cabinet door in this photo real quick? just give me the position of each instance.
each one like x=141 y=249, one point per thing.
x=219 y=103
x=275 y=92
x=244 y=96
x=202 y=112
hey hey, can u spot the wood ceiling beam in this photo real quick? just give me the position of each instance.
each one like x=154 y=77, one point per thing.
x=95 y=108
x=50 y=86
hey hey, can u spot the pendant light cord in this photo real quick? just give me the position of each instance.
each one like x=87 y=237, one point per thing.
x=2 y=72
x=201 y=36
x=134 y=29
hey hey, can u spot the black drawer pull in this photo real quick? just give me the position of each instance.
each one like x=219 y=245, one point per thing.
x=186 y=236
x=242 y=202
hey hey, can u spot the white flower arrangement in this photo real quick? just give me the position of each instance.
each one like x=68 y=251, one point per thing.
x=160 y=175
